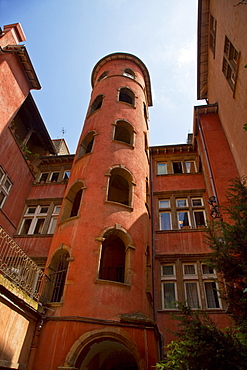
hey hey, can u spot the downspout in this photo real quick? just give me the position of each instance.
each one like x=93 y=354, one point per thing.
x=160 y=336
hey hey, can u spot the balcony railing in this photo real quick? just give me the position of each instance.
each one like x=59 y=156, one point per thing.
x=20 y=269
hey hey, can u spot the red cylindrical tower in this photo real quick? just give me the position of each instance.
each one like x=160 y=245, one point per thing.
x=100 y=264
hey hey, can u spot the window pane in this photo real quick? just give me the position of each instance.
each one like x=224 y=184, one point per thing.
x=52 y=226
x=190 y=167
x=189 y=270
x=165 y=221
x=164 y=204
x=169 y=295
x=211 y=295
x=54 y=176
x=177 y=167
x=192 y=295
x=168 y=270
x=39 y=226
x=199 y=218
x=1 y=173
x=43 y=210
x=2 y=196
x=181 y=202
x=26 y=226
x=206 y=270
x=43 y=177
x=183 y=220
x=196 y=202
x=66 y=175
x=57 y=210
x=162 y=168
x=7 y=184
x=31 y=210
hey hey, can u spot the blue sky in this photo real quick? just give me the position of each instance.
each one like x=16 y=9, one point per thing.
x=66 y=38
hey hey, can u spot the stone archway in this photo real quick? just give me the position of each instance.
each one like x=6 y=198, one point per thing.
x=106 y=354
x=103 y=350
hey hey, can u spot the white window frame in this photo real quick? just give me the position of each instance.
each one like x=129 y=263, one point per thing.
x=3 y=189
x=159 y=167
x=169 y=279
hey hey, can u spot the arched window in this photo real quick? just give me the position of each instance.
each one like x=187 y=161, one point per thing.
x=128 y=73
x=103 y=75
x=57 y=275
x=123 y=132
x=97 y=103
x=86 y=145
x=120 y=186
x=112 y=263
x=127 y=96
x=72 y=201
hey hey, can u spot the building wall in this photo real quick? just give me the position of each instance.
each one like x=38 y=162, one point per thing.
x=231 y=22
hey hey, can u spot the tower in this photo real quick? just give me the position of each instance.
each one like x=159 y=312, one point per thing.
x=99 y=264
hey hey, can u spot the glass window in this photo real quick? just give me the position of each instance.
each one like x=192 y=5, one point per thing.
x=43 y=177
x=5 y=186
x=169 y=295
x=182 y=202
x=196 y=202
x=177 y=167
x=165 y=221
x=189 y=269
x=66 y=175
x=162 y=168
x=183 y=219
x=206 y=270
x=199 y=218
x=211 y=294
x=168 y=270
x=191 y=292
x=190 y=167
x=54 y=176
x=164 y=203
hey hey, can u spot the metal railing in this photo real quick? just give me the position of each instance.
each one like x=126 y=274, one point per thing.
x=20 y=269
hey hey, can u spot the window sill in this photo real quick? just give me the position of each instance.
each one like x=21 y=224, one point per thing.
x=127 y=208
x=123 y=102
x=207 y=310
x=32 y=235
x=67 y=220
x=199 y=229
x=130 y=146
x=111 y=282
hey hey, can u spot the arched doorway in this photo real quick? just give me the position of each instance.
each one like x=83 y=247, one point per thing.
x=106 y=354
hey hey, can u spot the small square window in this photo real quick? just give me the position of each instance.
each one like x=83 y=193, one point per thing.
x=43 y=177
x=66 y=175
x=182 y=202
x=177 y=167
x=196 y=202
x=164 y=203
x=189 y=269
x=54 y=176
x=190 y=167
x=168 y=270
x=206 y=270
x=162 y=168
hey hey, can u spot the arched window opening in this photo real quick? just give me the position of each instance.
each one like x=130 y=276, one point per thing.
x=123 y=132
x=76 y=204
x=145 y=112
x=127 y=96
x=120 y=186
x=86 y=145
x=112 y=264
x=103 y=75
x=128 y=73
x=57 y=275
x=97 y=103
x=72 y=201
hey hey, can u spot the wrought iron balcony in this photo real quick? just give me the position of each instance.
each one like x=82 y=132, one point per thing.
x=20 y=269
